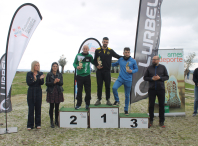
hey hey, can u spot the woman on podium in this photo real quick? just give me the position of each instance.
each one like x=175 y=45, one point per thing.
x=34 y=80
x=54 y=82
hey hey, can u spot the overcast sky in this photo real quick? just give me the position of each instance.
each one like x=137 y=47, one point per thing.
x=67 y=23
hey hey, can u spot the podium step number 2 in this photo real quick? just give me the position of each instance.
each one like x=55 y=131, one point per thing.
x=71 y=118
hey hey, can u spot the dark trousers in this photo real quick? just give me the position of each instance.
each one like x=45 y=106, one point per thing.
x=86 y=81
x=105 y=76
x=161 y=99
x=31 y=107
x=52 y=109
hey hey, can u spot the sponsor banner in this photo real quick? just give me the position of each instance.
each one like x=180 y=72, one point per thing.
x=5 y=103
x=23 y=24
x=175 y=86
x=146 y=45
x=93 y=45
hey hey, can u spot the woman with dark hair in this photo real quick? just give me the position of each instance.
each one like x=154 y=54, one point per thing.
x=34 y=80
x=54 y=82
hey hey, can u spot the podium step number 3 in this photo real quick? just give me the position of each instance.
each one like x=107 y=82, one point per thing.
x=134 y=120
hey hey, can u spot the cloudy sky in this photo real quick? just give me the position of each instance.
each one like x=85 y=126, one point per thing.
x=67 y=23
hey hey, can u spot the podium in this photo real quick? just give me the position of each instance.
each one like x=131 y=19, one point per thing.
x=72 y=118
x=134 y=120
x=103 y=116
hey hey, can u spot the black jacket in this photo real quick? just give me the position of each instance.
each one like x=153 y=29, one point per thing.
x=50 y=82
x=161 y=71
x=34 y=90
x=105 y=57
x=195 y=76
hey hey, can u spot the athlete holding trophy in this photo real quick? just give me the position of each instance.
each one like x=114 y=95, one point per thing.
x=102 y=61
x=128 y=67
x=82 y=63
x=99 y=62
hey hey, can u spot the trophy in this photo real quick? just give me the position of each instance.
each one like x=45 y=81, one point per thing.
x=127 y=66
x=99 y=61
x=80 y=63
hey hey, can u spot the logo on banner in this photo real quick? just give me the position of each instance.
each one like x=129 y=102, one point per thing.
x=172 y=57
x=147 y=44
x=18 y=32
x=4 y=104
x=82 y=116
x=92 y=48
x=112 y=111
x=144 y=122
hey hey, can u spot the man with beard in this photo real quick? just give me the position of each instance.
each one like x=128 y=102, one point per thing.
x=156 y=74
x=128 y=67
x=102 y=61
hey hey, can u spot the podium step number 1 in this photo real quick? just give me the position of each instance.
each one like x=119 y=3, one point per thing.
x=104 y=116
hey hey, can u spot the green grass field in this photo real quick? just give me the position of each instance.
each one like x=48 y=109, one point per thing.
x=179 y=130
x=189 y=86
x=19 y=85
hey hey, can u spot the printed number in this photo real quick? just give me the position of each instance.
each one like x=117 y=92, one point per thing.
x=134 y=123
x=104 y=116
x=73 y=121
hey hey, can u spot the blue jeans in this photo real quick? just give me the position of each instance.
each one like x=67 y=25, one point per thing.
x=196 y=99
x=127 y=87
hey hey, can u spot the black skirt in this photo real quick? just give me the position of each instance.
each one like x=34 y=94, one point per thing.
x=55 y=97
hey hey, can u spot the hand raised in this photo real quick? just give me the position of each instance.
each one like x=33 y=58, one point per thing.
x=42 y=76
x=58 y=80
x=55 y=81
x=34 y=76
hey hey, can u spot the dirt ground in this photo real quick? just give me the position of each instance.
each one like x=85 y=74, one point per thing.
x=178 y=131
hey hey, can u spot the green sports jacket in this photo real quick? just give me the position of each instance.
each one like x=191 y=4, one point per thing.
x=86 y=60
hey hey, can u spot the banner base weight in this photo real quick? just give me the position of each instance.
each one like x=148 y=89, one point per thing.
x=9 y=130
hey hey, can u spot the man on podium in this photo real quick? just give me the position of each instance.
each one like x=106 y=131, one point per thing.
x=82 y=64
x=102 y=61
x=128 y=67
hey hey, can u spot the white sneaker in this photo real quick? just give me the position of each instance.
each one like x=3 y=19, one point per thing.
x=194 y=114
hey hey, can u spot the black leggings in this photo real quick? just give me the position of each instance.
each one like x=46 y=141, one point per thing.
x=56 y=110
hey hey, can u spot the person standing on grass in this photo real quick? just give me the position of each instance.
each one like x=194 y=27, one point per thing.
x=188 y=74
x=54 y=83
x=34 y=80
x=156 y=74
x=128 y=67
x=195 y=80
x=102 y=61
x=82 y=64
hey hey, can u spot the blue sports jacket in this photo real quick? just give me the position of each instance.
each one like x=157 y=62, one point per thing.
x=123 y=73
